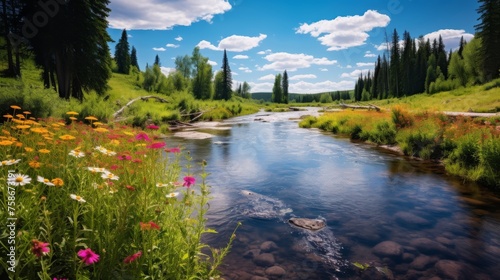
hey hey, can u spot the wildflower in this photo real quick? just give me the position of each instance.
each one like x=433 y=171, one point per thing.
x=15 y=107
x=132 y=257
x=101 y=129
x=97 y=170
x=72 y=113
x=58 y=182
x=97 y=123
x=76 y=153
x=156 y=145
x=39 y=248
x=137 y=160
x=152 y=127
x=9 y=162
x=19 y=180
x=28 y=149
x=34 y=164
x=130 y=188
x=124 y=157
x=109 y=176
x=142 y=136
x=44 y=151
x=6 y=143
x=114 y=142
x=114 y=167
x=188 y=181
x=44 y=180
x=88 y=256
x=171 y=195
x=173 y=150
x=77 y=198
x=67 y=137
x=23 y=126
x=161 y=185
x=91 y=118
x=149 y=225
x=73 y=118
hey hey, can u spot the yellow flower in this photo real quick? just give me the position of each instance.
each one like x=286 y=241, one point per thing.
x=28 y=149
x=19 y=144
x=6 y=143
x=114 y=142
x=34 y=164
x=67 y=137
x=73 y=118
x=21 y=116
x=98 y=123
x=101 y=129
x=40 y=130
x=6 y=132
x=58 y=182
x=44 y=151
x=24 y=126
x=128 y=133
x=17 y=121
x=71 y=113
x=91 y=118
x=27 y=112
x=15 y=107
x=8 y=116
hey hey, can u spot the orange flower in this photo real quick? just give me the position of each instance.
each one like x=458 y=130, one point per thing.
x=101 y=129
x=67 y=137
x=6 y=143
x=91 y=118
x=15 y=107
x=34 y=164
x=71 y=113
x=24 y=126
x=58 y=182
x=28 y=149
x=44 y=151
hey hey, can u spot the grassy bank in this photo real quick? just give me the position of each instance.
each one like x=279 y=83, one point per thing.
x=469 y=148
x=94 y=201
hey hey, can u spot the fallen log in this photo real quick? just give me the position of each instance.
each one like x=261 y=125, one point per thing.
x=117 y=113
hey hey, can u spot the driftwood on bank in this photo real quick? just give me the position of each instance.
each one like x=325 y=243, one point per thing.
x=117 y=113
x=369 y=106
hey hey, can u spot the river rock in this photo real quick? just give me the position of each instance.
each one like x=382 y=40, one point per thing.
x=412 y=220
x=250 y=254
x=265 y=259
x=421 y=262
x=268 y=246
x=427 y=246
x=259 y=278
x=450 y=269
x=388 y=249
x=445 y=241
x=310 y=224
x=275 y=271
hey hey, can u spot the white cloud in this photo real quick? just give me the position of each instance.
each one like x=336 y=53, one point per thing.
x=348 y=66
x=245 y=69
x=154 y=14
x=234 y=73
x=261 y=87
x=345 y=32
x=451 y=37
x=323 y=70
x=269 y=77
x=172 y=46
x=240 y=56
x=365 y=64
x=370 y=54
x=325 y=86
x=159 y=49
x=213 y=63
x=129 y=36
x=355 y=74
x=264 y=52
x=235 y=43
x=291 y=62
x=178 y=38
x=304 y=76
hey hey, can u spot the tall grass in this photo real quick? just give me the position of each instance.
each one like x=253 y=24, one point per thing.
x=116 y=194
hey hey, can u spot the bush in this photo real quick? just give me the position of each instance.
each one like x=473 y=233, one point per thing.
x=401 y=118
x=308 y=122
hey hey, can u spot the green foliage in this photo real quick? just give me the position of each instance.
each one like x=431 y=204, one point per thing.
x=308 y=122
x=325 y=98
x=122 y=54
x=400 y=117
x=40 y=102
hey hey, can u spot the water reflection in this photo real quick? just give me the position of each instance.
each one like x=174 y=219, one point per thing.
x=386 y=210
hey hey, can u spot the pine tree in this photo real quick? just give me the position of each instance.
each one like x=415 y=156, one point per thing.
x=284 y=86
x=227 y=81
x=133 y=58
x=489 y=32
x=442 y=58
x=122 y=54
x=157 y=61
x=395 y=66
x=408 y=65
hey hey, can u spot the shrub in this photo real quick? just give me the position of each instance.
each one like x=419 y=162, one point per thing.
x=401 y=118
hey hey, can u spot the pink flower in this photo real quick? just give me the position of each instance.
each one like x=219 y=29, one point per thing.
x=149 y=225
x=130 y=188
x=137 y=160
x=152 y=127
x=133 y=257
x=188 y=181
x=114 y=167
x=173 y=150
x=156 y=145
x=39 y=248
x=124 y=157
x=142 y=136
x=88 y=256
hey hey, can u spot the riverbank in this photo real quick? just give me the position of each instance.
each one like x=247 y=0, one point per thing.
x=468 y=147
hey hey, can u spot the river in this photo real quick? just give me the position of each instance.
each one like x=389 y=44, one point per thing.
x=398 y=217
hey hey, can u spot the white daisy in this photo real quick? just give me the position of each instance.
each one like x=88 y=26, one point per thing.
x=97 y=169
x=110 y=176
x=19 y=179
x=77 y=198
x=9 y=162
x=44 y=180
x=77 y=153
x=161 y=185
x=174 y=194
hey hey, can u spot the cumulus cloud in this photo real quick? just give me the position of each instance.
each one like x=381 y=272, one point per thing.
x=213 y=63
x=355 y=74
x=159 y=49
x=235 y=43
x=323 y=69
x=178 y=38
x=304 y=76
x=172 y=46
x=154 y=14
x=291 y=61
x=245 y=69
x=240 y=56
x=264 y=52
x=269 y=77
x=325 y=86
x=370 y=54
x=345 y=32
x=365 y=64
x=451 y=37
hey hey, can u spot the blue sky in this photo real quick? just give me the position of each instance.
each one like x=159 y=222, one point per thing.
x=323 y=44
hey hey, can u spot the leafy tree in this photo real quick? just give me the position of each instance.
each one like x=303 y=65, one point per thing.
x=218 y=85
x=489 y=32
x=133 y=58
x=245 y=91
x=202 y=82
x=122 y=54
x=325 y=98
x=284 y=86
x=473 y=63
x=277 y=95
x=183 y=65
x=227 y=81
x=456 y=69
x=431 y=72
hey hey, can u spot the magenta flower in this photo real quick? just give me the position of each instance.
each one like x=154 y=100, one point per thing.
x=153 y=127
x=173 y=150
x=124 y=157
x=39 y=248
x=188 y=181
x=156 y=145
x=142 y=136
x=133 y=257
x=88 y=256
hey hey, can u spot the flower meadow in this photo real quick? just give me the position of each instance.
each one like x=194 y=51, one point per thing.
x=96 y=201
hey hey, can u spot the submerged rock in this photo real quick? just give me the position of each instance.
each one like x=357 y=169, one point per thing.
x=265 y=259
x=310 y=224
x=388 y=249
x=450 y=269
x=268 y=246
x=411 y=220
x=275 y=271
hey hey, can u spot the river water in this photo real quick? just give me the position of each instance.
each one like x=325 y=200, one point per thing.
x=400 y=218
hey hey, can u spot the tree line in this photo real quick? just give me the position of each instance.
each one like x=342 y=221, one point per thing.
x=421 y=66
